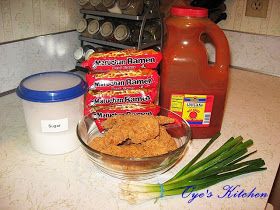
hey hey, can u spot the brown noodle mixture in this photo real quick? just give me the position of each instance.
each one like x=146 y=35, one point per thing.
x=135 y=136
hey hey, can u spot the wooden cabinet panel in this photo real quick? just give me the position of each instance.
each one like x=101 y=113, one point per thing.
x=72 y=14
x=36 y=11
x=7 y=20
x=21 y=14
x=1 y=25
x=27 y=18
x=49 y=16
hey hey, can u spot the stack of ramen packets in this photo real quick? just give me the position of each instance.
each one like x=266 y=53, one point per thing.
x=122 y=82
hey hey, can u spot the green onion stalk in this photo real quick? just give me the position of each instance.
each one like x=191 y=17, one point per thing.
x=224 y=163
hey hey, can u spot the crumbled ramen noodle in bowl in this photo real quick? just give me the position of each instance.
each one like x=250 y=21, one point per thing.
x=135 y=136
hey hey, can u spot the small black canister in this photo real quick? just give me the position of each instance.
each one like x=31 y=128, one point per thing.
x=149 y=5
x=154 y=28
x=146 y=36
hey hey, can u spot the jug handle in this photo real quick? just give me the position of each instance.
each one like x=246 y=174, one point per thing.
x=222 y=58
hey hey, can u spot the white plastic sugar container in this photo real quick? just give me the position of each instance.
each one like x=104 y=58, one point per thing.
x=53 y=103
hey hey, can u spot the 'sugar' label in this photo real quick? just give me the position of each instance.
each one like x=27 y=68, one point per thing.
x=53 y=126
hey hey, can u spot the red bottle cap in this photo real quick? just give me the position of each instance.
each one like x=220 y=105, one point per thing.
x=189 y=11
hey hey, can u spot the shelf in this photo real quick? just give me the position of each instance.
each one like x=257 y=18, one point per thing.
x=115 y=15
x=117 y=45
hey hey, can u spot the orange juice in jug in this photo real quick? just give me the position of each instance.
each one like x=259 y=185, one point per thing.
x=190 y=86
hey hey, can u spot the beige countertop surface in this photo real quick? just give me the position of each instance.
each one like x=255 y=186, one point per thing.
x=30 y=180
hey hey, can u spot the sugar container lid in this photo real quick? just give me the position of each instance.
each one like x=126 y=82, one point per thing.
x=53 y=86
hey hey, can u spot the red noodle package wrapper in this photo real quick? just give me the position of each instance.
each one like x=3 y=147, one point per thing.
x=100 y=114
x=123 y=79
x=110 y=97
x=124 y=59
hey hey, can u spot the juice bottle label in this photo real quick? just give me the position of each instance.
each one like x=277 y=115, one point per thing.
x=195 y=109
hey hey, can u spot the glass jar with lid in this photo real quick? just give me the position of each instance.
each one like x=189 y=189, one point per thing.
x=84 y=52
x=131 y=7
x=98 y=5
x=122 y=34
x=82 y=27
x=154 y=28
x=146 y=36
x=112 y=6
x=107 y=30
x=149 y=5
x=92 y=50
x=94 y=28
x=85 y=4
x=79 y=54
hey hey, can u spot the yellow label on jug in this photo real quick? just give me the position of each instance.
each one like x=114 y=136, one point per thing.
x=195 y=109
x=177 y=103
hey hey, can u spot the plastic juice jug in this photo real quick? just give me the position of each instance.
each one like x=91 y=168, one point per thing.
x=190 y=86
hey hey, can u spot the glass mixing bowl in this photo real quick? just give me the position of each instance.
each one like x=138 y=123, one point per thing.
x=135 y=168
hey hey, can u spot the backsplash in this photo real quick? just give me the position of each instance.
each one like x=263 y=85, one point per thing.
x=43 y=53
x=24 y=18
x=21 y=19
x=259 y=53
x=238 y=21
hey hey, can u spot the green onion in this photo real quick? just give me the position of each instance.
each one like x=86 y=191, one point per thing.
x=224 y=163
x=183 y=170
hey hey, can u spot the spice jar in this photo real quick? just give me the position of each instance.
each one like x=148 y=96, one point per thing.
x=154 y=28
x=149 y=5
x=79 y=54
x=122 y=34
x=157 y=48
x=146 y=36
x=85 y=4
x=107 y=30
x=82 y=27
x=94 y=28
x=112 y=6
x=92 y=50
x=98 y=5
x=131 y=7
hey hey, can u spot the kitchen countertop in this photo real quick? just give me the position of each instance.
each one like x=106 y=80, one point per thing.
x=30 y=180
